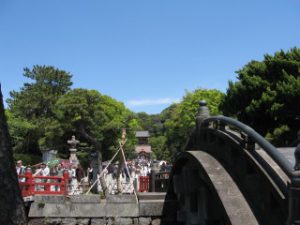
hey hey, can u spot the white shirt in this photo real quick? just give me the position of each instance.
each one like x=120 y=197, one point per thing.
x=19 y=169
x=45 y=171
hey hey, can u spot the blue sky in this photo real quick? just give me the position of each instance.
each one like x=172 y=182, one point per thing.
x=145 y=53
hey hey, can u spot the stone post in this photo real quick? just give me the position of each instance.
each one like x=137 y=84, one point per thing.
x=73 y=158
x=203 y=113
x=154 y=170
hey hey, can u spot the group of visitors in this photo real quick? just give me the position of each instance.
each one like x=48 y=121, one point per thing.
x=78 y=177
x=41 y=170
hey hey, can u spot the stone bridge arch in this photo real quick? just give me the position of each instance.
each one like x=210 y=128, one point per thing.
x=229 y=174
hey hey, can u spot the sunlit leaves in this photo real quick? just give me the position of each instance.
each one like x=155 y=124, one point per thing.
x=266 y=96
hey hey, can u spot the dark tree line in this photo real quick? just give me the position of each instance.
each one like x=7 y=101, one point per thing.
x=266 y=96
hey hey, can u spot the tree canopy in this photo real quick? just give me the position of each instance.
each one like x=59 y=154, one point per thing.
x=266 y=96
x=96 y=118
x=179 y=119
x=31 y=108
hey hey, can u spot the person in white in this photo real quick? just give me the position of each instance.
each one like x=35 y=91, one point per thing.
x=42 y=171
x=20 y=170
x=45 y=170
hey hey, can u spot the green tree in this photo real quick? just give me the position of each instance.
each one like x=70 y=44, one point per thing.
x=32 y=106
x=151 y=123
x=266 y=96
x=20 y=131
x=96 y=119
x=179 y=119
x=159 y=147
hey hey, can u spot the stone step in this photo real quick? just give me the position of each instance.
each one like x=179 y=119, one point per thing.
x=151 y=195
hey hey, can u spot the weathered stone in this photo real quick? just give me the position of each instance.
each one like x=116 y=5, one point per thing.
x=69 y=209
x=120 y=199
x=53 y=221
x=97 y=221
x=135 y=221
x=156 y=221
x=83 y=221
x=123 y=221
x=110 y=221
x=38 y=221
x=85 y=199
x=122 y=210
x=144 y=221
x=49 y=198
x=203 y=113
x=151 y=195
x=151 y=207
x=69 y=221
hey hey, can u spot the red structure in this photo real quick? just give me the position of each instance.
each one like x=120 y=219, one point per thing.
x=44 y=185
x=144 y=184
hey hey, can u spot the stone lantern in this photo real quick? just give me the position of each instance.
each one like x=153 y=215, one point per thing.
x=73 y=158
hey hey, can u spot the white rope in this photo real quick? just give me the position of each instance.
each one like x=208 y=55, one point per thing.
x=105 y=169
x=126 y=167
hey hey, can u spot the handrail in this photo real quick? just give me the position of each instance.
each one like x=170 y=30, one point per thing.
x=283 y=163
x=28 y=184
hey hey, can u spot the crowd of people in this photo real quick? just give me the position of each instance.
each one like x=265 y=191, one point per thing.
x=79 y=177
x=75 y=173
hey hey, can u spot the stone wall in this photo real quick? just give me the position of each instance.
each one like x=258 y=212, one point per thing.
x=147 y=209
x=96 y=221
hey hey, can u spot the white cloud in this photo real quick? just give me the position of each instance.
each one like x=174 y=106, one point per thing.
x=150 y=102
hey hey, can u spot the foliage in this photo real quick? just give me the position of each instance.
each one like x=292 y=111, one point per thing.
x=21 y=132
x=159 y=147
x=32 y=106
x=179 y=119
x=151 y=123
x=171 y=128
x=94 y=118
x=28 y=159
x=266 y=96
x=83 y=158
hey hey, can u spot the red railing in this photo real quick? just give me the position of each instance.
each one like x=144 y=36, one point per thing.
x=144 y=184
x=43 y=185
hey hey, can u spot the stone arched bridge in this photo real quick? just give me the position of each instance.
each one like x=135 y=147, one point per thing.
x=230 y=175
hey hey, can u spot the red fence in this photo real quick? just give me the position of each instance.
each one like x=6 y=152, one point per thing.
x=44 y=185
x=144 y=184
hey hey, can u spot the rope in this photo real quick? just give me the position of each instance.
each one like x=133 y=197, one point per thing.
x=105 y=168
x=126 y=167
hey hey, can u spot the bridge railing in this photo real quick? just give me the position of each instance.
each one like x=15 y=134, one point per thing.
x=144 y=184
x=43 y=185
x=250 y=138
x=162 y=181
x=219 y=122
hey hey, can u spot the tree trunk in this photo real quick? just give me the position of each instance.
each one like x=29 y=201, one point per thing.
x=102 y=180
x=12 y=210
x=98 y=149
